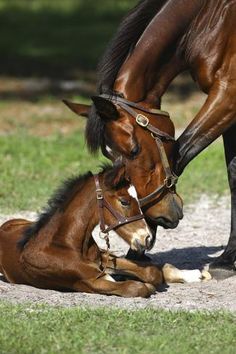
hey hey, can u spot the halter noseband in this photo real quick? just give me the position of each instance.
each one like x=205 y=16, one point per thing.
x=102 y=203
x=170 y=179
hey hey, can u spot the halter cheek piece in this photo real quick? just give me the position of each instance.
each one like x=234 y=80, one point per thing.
x=170 y=178
x=120 y=219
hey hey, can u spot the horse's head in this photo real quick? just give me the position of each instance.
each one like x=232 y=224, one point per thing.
x=118 y=132
x=119 y=209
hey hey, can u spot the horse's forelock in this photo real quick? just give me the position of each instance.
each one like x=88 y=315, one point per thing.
x=94 y=132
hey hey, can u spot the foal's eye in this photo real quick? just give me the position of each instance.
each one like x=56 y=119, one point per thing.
x=135 y=151
x=125 y=202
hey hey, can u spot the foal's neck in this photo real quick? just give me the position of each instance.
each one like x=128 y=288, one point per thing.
x=80 y=216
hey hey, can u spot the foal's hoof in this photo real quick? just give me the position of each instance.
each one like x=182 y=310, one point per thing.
x=221 y=269
x=135 y=256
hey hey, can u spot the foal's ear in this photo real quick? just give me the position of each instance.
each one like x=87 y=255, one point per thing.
x=105 y=107
x=80 y=109
x=119 y=176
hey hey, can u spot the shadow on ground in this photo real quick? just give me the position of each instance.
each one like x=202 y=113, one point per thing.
x=187 y=258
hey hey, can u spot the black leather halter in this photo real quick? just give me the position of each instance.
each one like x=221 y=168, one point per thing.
x=158 y=135
x=102 y=203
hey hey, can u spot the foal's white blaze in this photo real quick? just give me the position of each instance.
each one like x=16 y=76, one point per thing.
x=191 y=276
x=142 y=233
x=132 y=192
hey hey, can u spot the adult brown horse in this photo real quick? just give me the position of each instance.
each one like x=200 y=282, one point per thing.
x=59 y=252
x=155 y=42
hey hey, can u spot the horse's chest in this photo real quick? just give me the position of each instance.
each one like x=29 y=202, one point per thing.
x=206 y=43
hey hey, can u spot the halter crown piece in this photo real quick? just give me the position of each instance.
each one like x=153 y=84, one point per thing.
x=158 y=135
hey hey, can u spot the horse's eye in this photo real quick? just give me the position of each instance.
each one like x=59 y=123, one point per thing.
x=135 y=151
x=125 y=202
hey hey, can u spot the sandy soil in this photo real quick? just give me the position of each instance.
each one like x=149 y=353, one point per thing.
x=200 y=236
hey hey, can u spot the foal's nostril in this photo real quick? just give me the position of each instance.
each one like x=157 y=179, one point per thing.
x=148 y=241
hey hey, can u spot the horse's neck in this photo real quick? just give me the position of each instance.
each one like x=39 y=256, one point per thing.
x=137 y=74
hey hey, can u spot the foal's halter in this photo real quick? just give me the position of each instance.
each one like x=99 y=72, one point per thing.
x=121 y=220
x=158 y=135
x=102 y=203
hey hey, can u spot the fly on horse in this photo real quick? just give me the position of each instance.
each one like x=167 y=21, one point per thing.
x=155 y=42
x=59 y=252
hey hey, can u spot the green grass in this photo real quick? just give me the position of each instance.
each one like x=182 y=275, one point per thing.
x=32 y=167
x=37 y=329
x=206 y=174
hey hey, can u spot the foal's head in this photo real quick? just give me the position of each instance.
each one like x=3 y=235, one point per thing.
x=117 y=133
x=122 y=197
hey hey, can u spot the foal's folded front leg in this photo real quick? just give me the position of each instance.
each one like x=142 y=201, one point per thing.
x=153 y=274
x=106 y=285
x=146 y=272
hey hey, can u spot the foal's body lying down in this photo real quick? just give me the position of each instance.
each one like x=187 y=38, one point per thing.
x=58 y=251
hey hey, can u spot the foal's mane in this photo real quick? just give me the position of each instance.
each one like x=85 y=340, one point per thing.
x=123 y=42
x=57 y=202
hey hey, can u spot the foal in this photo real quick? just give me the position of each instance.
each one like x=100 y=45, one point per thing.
x=58 y=251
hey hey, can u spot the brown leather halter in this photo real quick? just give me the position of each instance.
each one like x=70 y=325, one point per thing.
x=121 y=220
x=102 y=203
x=171 y=179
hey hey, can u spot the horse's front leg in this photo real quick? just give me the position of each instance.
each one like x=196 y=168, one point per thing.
x=225 y=265
x=217 y=117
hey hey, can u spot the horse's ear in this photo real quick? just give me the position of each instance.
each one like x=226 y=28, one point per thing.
x=80 y=109
x=105 y=107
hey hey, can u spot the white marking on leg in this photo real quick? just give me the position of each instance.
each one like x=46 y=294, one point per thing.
x=191 y=276
x=109 y=278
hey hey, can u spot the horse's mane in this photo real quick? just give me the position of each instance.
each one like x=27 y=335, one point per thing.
x=124 y=40
x=127 y=35
x=57 y=202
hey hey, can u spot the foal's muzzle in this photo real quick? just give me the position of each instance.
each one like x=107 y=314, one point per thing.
x=140 y=244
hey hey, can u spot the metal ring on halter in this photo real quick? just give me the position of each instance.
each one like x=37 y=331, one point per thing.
x=99 y=194
x=153 y=135
x=170 y=181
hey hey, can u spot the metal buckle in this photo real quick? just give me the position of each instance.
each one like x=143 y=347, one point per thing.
x=142 y=120
x=170 y=181
x=153 y=136
x=99 y=194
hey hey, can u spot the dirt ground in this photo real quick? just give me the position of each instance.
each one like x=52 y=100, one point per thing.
x=200 y=236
